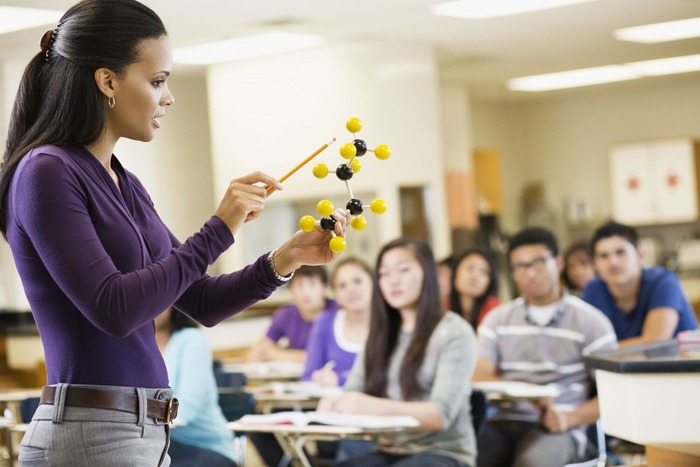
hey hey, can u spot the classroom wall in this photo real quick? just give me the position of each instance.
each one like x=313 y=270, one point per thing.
x=562 y=140
x=270 y=113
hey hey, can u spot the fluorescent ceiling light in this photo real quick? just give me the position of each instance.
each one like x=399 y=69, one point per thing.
x=572 y=78
x=605 y=74
x=244 y=47
x=667 y=66
x=660 y=32
x=480 y=9
x=13 y=18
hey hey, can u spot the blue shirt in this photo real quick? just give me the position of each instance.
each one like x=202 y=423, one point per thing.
x=659 y=288
x=190 y=368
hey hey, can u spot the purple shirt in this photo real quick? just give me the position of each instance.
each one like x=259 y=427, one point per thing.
x=97 y=265
x=328 y=344
x=287 y=322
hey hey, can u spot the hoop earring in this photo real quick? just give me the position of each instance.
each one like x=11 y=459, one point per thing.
x=111 y=102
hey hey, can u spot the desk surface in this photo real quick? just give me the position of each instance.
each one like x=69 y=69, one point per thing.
x=340 y=431
x=657 y=357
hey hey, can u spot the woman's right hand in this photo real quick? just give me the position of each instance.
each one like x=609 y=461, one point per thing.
x=244 y=199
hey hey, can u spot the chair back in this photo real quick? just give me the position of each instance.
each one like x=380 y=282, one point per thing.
x=596 y=449
x=479 y=403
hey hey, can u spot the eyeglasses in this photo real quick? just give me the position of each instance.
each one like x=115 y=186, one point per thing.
x=536 y=264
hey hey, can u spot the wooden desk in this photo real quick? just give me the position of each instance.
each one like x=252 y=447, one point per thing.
x=292 y=438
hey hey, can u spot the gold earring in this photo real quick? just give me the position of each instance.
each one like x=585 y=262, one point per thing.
x=111 y=102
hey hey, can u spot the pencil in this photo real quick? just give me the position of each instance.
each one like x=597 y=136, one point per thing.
x=303 y=163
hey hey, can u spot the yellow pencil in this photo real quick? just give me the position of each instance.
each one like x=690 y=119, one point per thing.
x=302 y=163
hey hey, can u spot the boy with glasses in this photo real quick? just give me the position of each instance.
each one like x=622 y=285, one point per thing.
x=643 y=304
x=540 y=338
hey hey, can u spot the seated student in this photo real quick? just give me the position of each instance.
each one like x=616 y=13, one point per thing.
x=200 y=436
x=474 y=287
x=336 y=337
x=578 y=267
x=643 y=304
x=539 y=338
x=292 y=323
x=417 y=361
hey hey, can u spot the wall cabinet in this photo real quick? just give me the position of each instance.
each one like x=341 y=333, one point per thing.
x=655 y=182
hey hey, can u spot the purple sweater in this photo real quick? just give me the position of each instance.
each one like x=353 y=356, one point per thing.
x=98 y=265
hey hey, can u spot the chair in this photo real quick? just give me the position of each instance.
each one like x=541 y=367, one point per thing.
x=479 y=404
x=596 y=447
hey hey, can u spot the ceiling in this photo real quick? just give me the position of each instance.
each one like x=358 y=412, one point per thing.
x=480 y=53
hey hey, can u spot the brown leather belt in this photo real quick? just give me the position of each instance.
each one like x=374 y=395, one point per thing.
x=165 y=410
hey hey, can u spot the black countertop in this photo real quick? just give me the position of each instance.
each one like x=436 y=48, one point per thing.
x=658 y=357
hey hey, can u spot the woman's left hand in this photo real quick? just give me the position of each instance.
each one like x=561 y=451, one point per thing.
x=310 y=248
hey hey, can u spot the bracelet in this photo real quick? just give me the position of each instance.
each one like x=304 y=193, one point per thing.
x=279 y=277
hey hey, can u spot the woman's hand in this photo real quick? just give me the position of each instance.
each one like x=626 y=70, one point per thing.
x=310 y=247
x=244 y=200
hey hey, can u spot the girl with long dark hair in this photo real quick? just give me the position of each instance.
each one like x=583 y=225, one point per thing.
x=474 y=290
x=418 y=361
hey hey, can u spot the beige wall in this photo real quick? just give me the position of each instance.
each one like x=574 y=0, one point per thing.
x=562 y=140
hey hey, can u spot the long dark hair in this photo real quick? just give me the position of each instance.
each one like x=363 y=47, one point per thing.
x=491 y=289
x=385 y=326
x=58 y=101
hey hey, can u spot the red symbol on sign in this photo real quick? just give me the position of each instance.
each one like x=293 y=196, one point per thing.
x=632 y=184
x=672 y=180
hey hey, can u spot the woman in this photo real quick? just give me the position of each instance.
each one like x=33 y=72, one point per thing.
x=417 y=361
x=337 y=337
x=578 y=267
x=199 y=437
x=474 y=285
x=96 y=262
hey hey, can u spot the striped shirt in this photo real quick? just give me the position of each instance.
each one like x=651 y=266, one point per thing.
x=550 y=354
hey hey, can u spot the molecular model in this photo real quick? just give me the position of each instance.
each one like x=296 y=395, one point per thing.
x=352 y=152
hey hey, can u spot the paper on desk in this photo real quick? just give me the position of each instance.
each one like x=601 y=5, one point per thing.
x=253 y=369
x=518 y=389
x=331 y=418
x=303 y=388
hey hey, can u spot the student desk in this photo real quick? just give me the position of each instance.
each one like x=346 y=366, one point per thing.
x=648 y=394
x=258 y=373
x=292 y=438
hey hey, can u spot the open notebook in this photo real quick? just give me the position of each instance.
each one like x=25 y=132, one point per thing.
x=331 y=418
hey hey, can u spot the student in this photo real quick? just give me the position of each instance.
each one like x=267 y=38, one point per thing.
x=200 y=437
x=474 y=287
x=96 y=262
x=540 y=338
x=644 y=304
x=338 y=336
x=417 y=361
x=578 y=267
x=288 y=333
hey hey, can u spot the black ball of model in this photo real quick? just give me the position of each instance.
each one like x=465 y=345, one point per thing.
x=354 y=206
x=344 y=172
x=327 y=223
x=361 y=147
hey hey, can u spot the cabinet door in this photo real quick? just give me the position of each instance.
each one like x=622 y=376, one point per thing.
x=673 y=183
x=630 y=184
